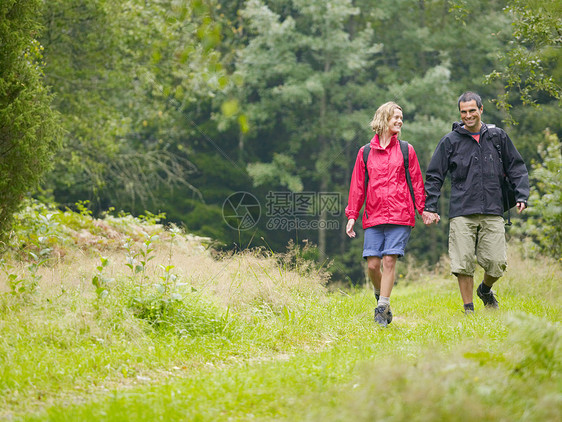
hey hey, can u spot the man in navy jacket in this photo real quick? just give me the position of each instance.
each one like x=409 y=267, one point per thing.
x=476 y=156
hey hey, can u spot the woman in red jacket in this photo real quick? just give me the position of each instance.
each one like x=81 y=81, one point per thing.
x=389 y=213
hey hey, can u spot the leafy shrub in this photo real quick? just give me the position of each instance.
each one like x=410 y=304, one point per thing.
x=544 y=222
x=29 y=131
x=48 y=232
x=536 y=347
x=185 y=315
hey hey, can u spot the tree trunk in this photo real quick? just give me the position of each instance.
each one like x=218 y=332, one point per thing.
x=322 y=243
x=350 y=152
x=241 y=147
x=421 y=54
x=323 y=144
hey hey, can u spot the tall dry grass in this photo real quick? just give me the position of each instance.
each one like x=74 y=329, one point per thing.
x=237 y=281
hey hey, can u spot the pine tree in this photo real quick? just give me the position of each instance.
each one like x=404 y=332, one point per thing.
x=29 y=134
x=304 y=69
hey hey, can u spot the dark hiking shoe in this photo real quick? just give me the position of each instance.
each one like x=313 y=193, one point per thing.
x=383 y=316
x=489 y=299
x=389 y=317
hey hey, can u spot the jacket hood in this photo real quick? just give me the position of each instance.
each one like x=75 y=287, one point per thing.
x=459 y=127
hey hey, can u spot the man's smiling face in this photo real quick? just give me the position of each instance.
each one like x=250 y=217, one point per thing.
x=471 y=115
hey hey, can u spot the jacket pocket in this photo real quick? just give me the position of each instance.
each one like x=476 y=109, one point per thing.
x=458 y=171
x=492 y=165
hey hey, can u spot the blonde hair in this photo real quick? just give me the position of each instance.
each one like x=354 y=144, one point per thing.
x=382 y=116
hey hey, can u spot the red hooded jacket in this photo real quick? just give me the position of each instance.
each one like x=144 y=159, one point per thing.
x=388 y=199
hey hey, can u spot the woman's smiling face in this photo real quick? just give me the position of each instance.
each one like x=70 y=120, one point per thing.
x=395 y=122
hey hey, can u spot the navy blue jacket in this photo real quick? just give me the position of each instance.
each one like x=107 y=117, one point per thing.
x=476 y=171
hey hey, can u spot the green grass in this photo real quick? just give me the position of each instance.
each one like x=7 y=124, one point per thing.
x=255 y=336
x=329 y=363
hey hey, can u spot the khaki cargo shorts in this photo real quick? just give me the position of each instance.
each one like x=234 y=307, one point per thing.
x=477 y=235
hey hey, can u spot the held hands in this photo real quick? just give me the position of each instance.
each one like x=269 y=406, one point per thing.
x=349 y=228
x=430 y=218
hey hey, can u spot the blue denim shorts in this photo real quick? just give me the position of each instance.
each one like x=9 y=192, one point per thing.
x=386 y=239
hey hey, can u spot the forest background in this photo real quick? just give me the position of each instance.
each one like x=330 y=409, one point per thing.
x=241 y=120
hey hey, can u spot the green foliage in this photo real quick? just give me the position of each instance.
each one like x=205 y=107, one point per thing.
x=303 y=259
x=129 y=111
x=173 y=106
x=29 y=131
x=283 y=349
x=168 y=283
x=538 y=348
x=18 y=285
x=100 y=281
x=281 y=171
x=137 y=261
x=483 y=382
x=315 y=73
x=304 y=79
x=544 y=222
x=316 y=361
x=179 y=313
x=533 y=62
x=34 y=240
x=24 y=282
x=49 y=233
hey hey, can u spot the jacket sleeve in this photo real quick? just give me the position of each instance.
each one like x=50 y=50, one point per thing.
x=356 y=188
x=417 y=180
x=516 y=170
x=435 y=176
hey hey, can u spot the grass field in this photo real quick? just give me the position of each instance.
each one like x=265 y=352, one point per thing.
x=123 y=320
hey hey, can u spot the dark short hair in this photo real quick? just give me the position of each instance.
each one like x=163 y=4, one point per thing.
x=469 y=96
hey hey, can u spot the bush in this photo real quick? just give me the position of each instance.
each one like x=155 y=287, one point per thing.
x=29 y=132
x=185 y=315
x=544 y=222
